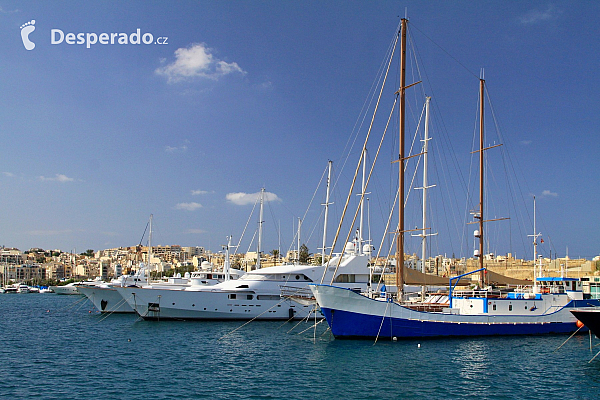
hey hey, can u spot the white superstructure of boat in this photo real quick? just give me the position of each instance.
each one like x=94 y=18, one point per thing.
x=68 y=289
x=256 y=295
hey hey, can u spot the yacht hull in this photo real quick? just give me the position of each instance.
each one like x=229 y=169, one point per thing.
x=106 y=299
x=170 y=304
x=351 y=315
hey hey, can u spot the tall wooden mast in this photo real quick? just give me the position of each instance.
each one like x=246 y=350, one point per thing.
x=400 y=236
x=481 y=93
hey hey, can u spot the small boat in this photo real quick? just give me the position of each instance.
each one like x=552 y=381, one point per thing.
x=68 y=289
x=11 y=288
x=590 y=317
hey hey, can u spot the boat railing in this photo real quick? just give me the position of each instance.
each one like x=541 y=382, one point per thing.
x=296 y=292
x=300 y=295
x=477 y=293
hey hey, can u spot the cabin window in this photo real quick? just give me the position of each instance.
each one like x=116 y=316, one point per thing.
x=232 y=296
x=297 y=277
x=268 y=297
x=249 y=297
x=345 y=278
x=510 y=307
x=494 y=307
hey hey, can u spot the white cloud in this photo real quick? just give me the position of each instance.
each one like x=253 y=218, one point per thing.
x=547 y=193
x=197 y=61
x=188 y=206
x=8 y=174
x=170 y=149
x=199 y=192
x=57 y=178
x=525 y=142
x=3 y=11
x=242 y=198
x=535 y=16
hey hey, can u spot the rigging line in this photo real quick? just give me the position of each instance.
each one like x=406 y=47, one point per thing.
x=363 y=112
x=468 y=200
x=366 y=185
x=72 y=304
x=444 y=50
x=312 y=326
x=426 y=78
x=574 y=333
x=273 y=219
x=410 y=152
x=123 y=300
x=326 y=330
x=452 y=210
x=252 y=241
x=507 y=160
x=144 y=234
x=310 y=204
x=382 y=320
x=247 y=222
x=387 y=226
x=305 y=319
x=593 y=358
x=240 y=327
x=360 y=161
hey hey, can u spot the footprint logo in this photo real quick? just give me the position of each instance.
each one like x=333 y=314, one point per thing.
x=26 y=29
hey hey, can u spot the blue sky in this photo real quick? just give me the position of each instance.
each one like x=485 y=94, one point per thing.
x=251 y=94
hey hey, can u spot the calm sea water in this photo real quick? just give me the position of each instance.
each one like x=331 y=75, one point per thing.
x=58 y=347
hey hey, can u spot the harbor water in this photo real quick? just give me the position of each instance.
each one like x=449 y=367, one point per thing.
x=59 y=347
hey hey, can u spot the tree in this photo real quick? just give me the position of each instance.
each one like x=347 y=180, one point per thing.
x=304 y=255
x=88 y=253
x=275 y=254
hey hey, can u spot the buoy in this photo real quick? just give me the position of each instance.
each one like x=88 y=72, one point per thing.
x=47 y=310
x=419 y=345
x=394 y=338
x=579 y=324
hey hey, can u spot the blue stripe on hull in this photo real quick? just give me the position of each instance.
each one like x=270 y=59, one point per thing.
x=349 y=325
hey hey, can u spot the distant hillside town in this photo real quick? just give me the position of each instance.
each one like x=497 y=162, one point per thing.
x=38 y=266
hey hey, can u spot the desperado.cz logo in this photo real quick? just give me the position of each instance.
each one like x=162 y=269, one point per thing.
x=57 y=36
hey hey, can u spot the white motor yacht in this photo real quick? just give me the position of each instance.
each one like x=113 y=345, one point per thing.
x=107 y=299
x=257 y=294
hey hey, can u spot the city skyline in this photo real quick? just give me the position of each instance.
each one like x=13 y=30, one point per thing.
x=241 y=95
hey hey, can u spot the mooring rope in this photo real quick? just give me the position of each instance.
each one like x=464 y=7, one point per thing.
x=240 y=327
